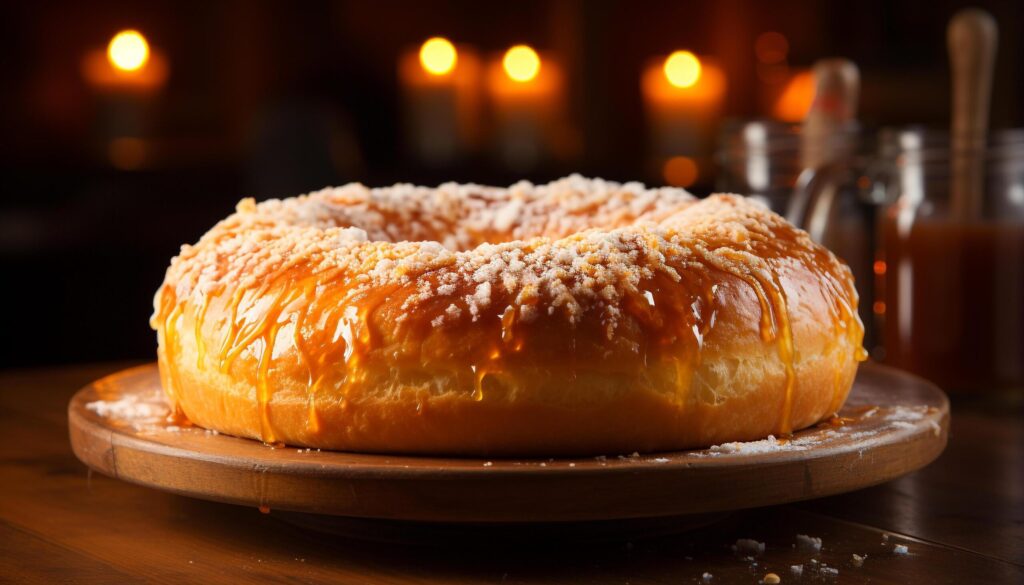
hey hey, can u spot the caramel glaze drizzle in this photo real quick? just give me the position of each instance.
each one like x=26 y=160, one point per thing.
x=341 y=333
x=165 y=320
x=331 y=324
x=775 y=323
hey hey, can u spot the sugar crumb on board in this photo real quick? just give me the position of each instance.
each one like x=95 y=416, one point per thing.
x=748 y=546
x=131 y=407
x=806 y=542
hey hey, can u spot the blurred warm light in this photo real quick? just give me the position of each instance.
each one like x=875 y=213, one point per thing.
x=127 y=153
x=126 y=65
x=128 y=50
x=879 y=267
x=521 y=63
x=682 y=69
x=680 y=171
x=878 y=308
x=771 y=47
x=438 y=56
x=795 y=100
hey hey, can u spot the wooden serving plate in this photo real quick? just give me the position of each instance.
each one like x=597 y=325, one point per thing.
x=893 y=423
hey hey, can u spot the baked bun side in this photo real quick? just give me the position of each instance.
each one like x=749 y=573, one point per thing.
x=670 y=323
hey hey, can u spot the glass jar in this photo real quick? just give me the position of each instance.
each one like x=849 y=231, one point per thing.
x=760 y=159
x=951 y=282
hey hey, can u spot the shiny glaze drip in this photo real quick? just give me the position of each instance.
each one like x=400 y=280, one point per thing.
x=775 y=327
x=771 y=295
x=508 y=334
x=840 y=297
x=262 y=331
x=681 y=323
x=198 y=323
x=232 y=333
x=845 y=319
x=251 y=330
x=318 y=352
x=294 y=301
x=786 y=352
x=263 y=390
x=166 y=320
x=511 y=340
x=479 y=373
x=312 y=381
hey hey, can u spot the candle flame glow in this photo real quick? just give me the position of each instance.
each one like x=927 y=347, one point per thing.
x=682 y=69
x=521 y=63
x=128 y=50
x=438 y=56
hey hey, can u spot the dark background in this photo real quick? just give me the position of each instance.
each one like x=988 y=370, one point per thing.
x=274 y=99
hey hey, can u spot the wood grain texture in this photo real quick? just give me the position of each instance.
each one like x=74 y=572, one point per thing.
x=59 y=523
x=896 y=424
x=976 y=503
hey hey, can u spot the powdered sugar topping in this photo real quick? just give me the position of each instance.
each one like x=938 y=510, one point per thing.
x=462 y=250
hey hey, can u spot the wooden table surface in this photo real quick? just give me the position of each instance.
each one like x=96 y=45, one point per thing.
x=961 y=519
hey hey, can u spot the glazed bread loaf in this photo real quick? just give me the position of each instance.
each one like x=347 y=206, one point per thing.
x=578 y=317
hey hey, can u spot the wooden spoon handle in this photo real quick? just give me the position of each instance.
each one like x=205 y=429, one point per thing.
x=836 y=86
x=972 y=38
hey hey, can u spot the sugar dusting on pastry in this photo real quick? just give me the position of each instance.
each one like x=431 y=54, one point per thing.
x=563 y=248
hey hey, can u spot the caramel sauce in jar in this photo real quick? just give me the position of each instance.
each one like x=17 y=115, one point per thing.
x=954 y=302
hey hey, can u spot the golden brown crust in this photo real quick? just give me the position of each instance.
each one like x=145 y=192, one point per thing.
x=677 y=324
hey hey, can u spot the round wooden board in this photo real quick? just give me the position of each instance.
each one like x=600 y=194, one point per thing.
x=894 y=423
